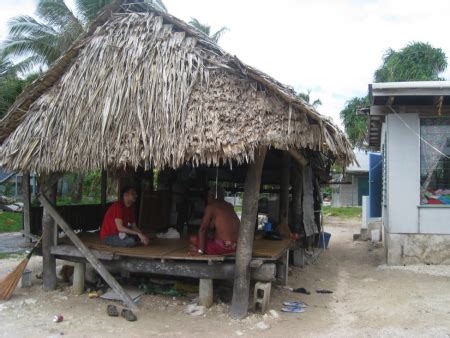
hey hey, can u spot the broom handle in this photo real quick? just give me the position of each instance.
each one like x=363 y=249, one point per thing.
x=34 y=248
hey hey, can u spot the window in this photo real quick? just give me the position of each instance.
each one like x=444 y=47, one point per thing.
x=435 y=161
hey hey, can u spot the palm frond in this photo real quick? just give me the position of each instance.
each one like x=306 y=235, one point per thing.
x=157 y=4
x=204 y=28
x=25 y=25
x=56 y=14
x=217 y=35
x=88 y=9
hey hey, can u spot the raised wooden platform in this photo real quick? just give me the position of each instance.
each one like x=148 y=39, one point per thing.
x=171 y=249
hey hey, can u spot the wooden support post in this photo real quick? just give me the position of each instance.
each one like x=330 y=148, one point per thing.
x=206 y=292
x=284 y=189
x=297 y=193
x=48 y=238
x=26 y=196
x=240 y=301
x=98 y=266
x=79 y=273
x=103 y=189
x=283 y=269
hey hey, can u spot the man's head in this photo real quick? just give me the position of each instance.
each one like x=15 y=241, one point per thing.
x=214 y=194
x=128 y=196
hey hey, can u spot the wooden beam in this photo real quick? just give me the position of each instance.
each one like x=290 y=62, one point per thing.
x=299 y=158
x=103 y=189
x=297 y=192
x=26 y=197
x=240 y=301
x=48 y=237
x=98 y=266
x=284 y=189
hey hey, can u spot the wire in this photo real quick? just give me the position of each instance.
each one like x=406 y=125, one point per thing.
x=418 y=135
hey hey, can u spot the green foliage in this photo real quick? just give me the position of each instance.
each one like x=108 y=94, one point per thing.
x=418 y=61
x=10 y=221
x=205 y=28
x=350 y=212
x=355 y=125
x=307 y=98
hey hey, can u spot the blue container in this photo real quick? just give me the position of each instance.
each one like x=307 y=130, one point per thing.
x=267 y=227
x=325 y=237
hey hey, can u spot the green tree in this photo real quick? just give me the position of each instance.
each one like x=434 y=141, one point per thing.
x=40 y=41
x=307 y=98
x=204 y=28
x=10 y=84
x=355 y=125
x=418 y=61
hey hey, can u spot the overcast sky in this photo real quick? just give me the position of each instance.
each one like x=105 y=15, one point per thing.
x=329 y=46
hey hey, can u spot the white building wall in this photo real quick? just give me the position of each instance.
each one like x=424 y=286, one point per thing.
x=403 y=190
x=403 y=213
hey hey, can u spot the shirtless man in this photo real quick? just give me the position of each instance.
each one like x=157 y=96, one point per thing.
x=221 y=215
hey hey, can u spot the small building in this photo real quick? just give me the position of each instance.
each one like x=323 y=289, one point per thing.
x=348 y=188
x=11 y=183
x=410 y=125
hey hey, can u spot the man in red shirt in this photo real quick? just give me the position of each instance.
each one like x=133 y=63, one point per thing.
x=119 y=226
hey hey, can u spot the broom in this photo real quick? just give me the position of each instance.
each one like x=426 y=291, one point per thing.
x=9 y=283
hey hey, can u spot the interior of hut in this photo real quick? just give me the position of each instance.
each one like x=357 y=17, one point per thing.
x=177 y=198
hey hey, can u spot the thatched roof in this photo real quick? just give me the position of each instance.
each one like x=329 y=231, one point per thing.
x=142 y=88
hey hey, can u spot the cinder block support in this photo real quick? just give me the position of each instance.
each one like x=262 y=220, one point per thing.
x=79 y=272
x=261 y=296
x=206 y=292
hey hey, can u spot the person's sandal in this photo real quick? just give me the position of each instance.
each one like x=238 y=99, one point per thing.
x=112 y=311
x=128 y=315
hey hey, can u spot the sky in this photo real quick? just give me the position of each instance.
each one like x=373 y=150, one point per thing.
x=331 y=47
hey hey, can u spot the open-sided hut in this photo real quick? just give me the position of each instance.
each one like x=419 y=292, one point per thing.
x=143 y=90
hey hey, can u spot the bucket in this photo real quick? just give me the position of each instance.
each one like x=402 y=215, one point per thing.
x=26 y=279
x=267 y=227
x=324 y=237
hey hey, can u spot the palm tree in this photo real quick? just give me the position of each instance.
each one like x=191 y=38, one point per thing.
x=205 y=28
x=307 y=97
x=39 y=42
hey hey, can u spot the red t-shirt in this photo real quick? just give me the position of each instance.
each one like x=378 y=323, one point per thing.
x=116 y=210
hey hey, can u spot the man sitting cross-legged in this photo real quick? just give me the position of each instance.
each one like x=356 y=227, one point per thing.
x=221 y=215
x=119 y=227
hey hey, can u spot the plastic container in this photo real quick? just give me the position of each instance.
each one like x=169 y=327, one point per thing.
x=325 y=236
x=26 y=279
x=267 y=227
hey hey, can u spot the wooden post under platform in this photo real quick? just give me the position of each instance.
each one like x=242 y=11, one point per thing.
x=241 y=289
x=26 y=197
x=48 y=236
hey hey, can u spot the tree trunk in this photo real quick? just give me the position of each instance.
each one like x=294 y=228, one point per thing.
x=26 y=196
x=239 y=305
x=48 y=239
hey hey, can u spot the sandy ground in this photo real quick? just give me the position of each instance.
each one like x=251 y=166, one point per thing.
x=368 y=300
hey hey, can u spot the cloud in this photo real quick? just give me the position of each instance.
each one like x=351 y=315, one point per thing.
x=330 y=47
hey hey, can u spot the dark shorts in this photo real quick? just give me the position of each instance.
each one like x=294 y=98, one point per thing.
x=115 y=240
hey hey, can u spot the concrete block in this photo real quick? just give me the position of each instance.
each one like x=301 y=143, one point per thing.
x=261 y=296
x=78 y=278
x=206 y=292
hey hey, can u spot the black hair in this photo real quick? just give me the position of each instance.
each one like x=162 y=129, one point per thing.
x=125 y=190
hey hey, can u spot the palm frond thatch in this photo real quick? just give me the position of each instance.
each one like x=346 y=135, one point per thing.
x=146 y=89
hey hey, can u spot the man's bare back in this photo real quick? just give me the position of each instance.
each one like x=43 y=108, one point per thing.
x=222 y=216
